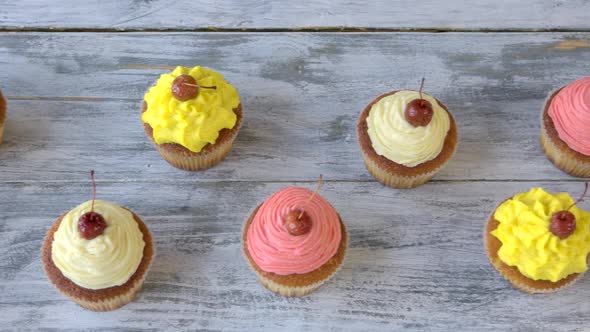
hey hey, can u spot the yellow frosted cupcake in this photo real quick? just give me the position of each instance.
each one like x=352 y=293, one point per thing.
x=539 y=241
x=192 y=115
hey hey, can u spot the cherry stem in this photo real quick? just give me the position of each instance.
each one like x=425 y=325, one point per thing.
x=200 y=86
x=317 y=188
x=93 y=189
x=421 y=86
x=581 y=197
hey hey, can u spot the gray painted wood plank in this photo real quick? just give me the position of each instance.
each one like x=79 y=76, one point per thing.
x=191 y=14
x=416 y=261
x=74 y=99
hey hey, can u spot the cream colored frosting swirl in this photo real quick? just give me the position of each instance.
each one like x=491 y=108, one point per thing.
x=107 y=260
x=396 y=139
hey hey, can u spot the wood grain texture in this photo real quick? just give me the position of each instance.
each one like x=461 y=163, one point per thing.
x=74 y=100
x=415 y=261
x=236 y=14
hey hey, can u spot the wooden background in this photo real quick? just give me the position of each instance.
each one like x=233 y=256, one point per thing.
x=75 y=74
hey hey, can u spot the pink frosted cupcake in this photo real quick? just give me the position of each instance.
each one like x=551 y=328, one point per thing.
x=294 y=241
x=565 y=128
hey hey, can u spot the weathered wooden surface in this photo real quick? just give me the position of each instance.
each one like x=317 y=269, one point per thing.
x=74 y=99
x=415 y=261
x=195 y=14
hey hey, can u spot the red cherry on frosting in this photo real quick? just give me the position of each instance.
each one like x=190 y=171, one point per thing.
x=185 y=87
x=419 y=111
x=297 y=223
x=91 y=224
x=563 y=223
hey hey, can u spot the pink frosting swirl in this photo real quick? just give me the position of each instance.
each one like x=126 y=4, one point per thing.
x=570 y=112
x=271 y=246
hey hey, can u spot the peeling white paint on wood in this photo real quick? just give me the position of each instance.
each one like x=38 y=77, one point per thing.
x=74 y=100
x=416 y=259
x=238 y=14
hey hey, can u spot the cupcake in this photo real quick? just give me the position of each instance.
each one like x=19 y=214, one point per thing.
x=294 y=241
x=565 y=128
x=2 y=115
x=406 y=137
x=192 y=115
x=539 y=241
x=98 y=254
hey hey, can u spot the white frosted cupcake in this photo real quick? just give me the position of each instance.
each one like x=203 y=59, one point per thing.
x=406 y=137
x=98 y=255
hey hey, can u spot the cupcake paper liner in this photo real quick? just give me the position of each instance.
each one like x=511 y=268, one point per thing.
x=111 y=303
x=393 y=180
x=291 y=291
x=199 y=161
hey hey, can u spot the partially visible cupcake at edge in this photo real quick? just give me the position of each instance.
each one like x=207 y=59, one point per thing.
x=565 y=128
x=192 y=115
x=2 y=115
x=406 y=137
x=294 y=241
x=98 y=255
x=539 y=241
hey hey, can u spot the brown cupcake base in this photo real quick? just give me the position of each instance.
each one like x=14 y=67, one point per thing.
x=396 y=175
x=105 y=299
x=511 y=273
x=211 y=155
x=296 y=285
x=557 y=151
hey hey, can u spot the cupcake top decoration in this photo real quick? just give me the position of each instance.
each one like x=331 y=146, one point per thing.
x=419 y=111
x=185 y=87
x=538 y=236
x=298 y=222
x=408 y=127
x=91 y=224
x=97 y=245
x=295 y=231
x=190 y=106
x=570 y=111
x=563 y=223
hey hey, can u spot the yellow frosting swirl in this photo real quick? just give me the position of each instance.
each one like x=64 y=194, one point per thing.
x=196 y=122
x=107 y=260
x=527 y=242
x=396 y=139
